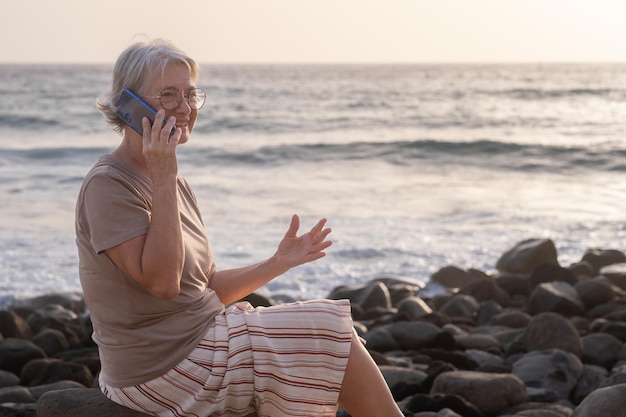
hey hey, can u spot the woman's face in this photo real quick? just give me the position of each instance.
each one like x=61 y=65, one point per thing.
x=178 y=78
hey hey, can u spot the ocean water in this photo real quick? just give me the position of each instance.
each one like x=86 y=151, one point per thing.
x=415 y=166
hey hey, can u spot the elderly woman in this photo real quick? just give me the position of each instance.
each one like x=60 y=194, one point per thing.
x=172 y=339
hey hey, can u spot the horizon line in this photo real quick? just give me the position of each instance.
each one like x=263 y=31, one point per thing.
x=278 y=63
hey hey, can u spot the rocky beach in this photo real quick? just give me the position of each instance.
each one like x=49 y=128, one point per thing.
x=534 y=339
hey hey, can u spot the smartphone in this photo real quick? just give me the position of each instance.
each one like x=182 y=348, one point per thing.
x=132 y=109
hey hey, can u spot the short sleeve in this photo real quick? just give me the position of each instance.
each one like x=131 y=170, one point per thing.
x=114 y=211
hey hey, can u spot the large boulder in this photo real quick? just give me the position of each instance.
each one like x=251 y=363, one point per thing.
x=527 y=255
x=593 y=292
x=551 y=370
x=489 y=392
x=15 y=353
x=604 y=402
x=81 y=402
x=558 y=296
x=601 y=349
x=552 y=331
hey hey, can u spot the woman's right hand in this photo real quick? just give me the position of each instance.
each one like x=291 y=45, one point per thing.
x=159 y=148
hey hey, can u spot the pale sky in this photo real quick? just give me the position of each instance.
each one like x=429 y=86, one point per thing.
x=325 y=31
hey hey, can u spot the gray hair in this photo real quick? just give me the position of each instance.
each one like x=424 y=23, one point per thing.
x=135 y=68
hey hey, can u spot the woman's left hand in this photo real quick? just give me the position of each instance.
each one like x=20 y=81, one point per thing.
x=294 y=250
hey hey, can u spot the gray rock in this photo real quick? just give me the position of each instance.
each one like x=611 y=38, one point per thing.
x=617 y=329
x=379 y=339
x=583 y=269
x=603 y=402
x=485 y=360
x=486 y=289
x=514 y=285
x=558 y=296
x=616 y=273
x=12 y=325
x=601 y=349
x=551 y=273
x=525 y=256
x=399 y=287
x=478 y=341
x=56 y=311
x=489 y=392
x=591 y=379
x=374 y=295
x=514 y=319
x=345 y=292
x=401 y=336
x=259 y=300
x=550 y=331
x=487 y=310
x=460 y=306
x=72 y=300
x=397 y=374
x=621 y=356
x=413 y=308
x=8 y=379
x=51 y=341
x=39 y=390
x=18 y=410
x=537 y=409
x=15 y=353
x=446 y=412
x=542 y=395
x=509 y=337
x=16 y=394
x=453 y=330
x=413 y=335
x=40 y=320
x=46 y=371
x=599 y=258
x=451 y=276
x=81 y=403
x=594 y=292
x=553 y=369
x=616 y=376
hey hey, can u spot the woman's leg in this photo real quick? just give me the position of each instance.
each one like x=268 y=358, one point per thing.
x=364 y=391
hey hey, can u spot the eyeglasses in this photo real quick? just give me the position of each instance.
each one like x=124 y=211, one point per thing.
x=170 y=98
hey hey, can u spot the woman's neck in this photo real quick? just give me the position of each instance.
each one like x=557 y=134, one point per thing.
x=130 y=151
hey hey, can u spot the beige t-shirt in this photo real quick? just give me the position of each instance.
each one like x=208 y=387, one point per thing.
x=139 y=336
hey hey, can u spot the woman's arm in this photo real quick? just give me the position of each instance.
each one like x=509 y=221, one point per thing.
x=155 y=260
x=233 y=284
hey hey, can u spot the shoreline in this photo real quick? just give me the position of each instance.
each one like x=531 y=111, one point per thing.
x=467 y=341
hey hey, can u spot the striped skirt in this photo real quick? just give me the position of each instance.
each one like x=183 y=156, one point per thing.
x=287 y=360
